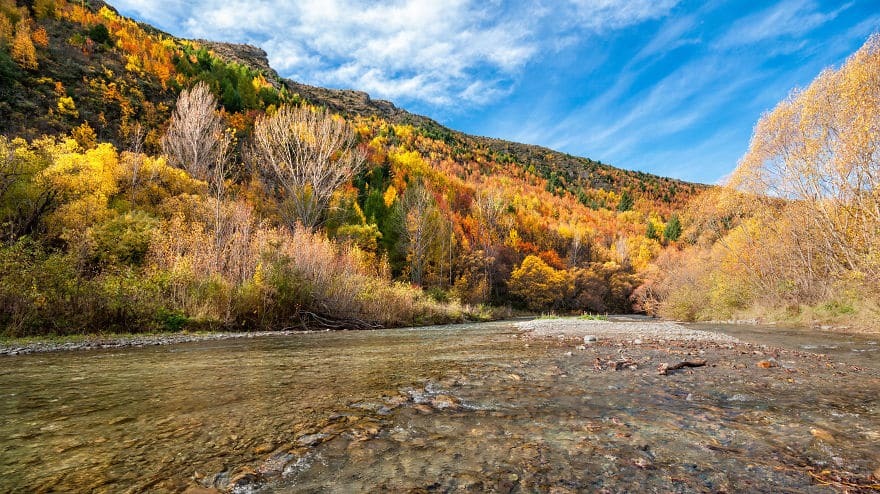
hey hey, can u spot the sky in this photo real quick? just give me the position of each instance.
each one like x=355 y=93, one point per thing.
x=671 y=87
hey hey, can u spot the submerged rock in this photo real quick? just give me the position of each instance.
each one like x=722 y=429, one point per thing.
x=275 y=464
x=264 y=448
x=311 y=439
x=442 y=402
x=244 y=483
x=822 y=434
x=201 y=490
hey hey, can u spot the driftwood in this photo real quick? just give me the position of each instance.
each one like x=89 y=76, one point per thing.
x=663 y=369
x=311 y=320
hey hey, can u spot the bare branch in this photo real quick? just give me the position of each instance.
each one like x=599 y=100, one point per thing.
x=309 y=154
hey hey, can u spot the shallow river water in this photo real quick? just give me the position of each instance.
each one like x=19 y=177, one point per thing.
x=443 y=409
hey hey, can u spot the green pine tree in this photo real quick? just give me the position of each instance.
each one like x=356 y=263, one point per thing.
x=673 y=229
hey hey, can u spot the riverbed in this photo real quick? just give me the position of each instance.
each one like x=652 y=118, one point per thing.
x=480 y=407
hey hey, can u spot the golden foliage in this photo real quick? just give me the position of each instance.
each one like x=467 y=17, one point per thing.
x=798 y=225
x=40 y=37
x=6 y=31
x=84 y=183
x=23 y=51
x=539 y=285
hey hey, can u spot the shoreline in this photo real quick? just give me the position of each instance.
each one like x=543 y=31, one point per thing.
x=31 y=345
x=651 y=329
x=27 y=345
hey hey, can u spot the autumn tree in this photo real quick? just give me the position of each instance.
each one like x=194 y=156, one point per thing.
x=819 y=149
x=23 y=50
x=195 y=139
x=6 y=31
x=424 y=231
x=307 y=153
x=537 y=284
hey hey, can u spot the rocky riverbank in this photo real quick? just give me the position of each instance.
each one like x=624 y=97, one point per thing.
x=96 y=342
x=625 y=330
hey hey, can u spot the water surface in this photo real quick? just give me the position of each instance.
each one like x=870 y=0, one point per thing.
x=449 y=408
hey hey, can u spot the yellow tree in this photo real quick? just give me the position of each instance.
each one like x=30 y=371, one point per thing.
x=819 y=148
x=538 y=284
x=6 y=31
x=23 y=50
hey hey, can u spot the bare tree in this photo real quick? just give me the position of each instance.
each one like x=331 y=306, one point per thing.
x=195 y=137
x=308 y=154
x=421 y=229
x=217 y=186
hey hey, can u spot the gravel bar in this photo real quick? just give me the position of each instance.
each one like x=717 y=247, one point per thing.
x=133 y=341
x=642 y=330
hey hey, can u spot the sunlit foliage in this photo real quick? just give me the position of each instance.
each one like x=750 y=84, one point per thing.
x=797 y=229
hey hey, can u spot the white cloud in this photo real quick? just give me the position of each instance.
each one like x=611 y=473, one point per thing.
x=602 y=15
x=671 y=36
x=440 y=53
x=785 y=19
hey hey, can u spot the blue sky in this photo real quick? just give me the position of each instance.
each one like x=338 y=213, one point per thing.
x=671 y=87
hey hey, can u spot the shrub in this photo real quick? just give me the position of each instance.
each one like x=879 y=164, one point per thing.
x=99 y=34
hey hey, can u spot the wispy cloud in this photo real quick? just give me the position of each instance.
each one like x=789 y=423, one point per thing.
x=601 y=15
x=784 y=19
x=672 y=35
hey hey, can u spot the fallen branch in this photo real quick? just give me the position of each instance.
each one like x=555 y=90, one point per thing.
x=311 y=319
x=664 y=368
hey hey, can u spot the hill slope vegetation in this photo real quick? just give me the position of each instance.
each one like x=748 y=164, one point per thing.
x=294 y=206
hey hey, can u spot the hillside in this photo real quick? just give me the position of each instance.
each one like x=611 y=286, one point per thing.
x=572 y=171
x=469 y=219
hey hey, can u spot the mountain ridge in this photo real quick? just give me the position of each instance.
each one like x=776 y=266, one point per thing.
x=357 y=102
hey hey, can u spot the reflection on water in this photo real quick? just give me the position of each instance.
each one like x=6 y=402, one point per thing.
x=447 y=408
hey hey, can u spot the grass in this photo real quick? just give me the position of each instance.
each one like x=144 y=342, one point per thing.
x=548 y=315
x=593 y=317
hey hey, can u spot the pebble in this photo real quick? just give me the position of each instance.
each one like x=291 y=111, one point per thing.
x=590 y=338
x=264 y=448
x=441 y=402
x=310 y=439
x=822 y=434
x=201 y=490
x=422 y=408
x=244 y=482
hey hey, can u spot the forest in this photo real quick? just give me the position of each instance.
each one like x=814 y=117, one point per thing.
x=147 y=183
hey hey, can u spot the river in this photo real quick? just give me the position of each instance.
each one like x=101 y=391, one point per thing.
x=449 y=408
